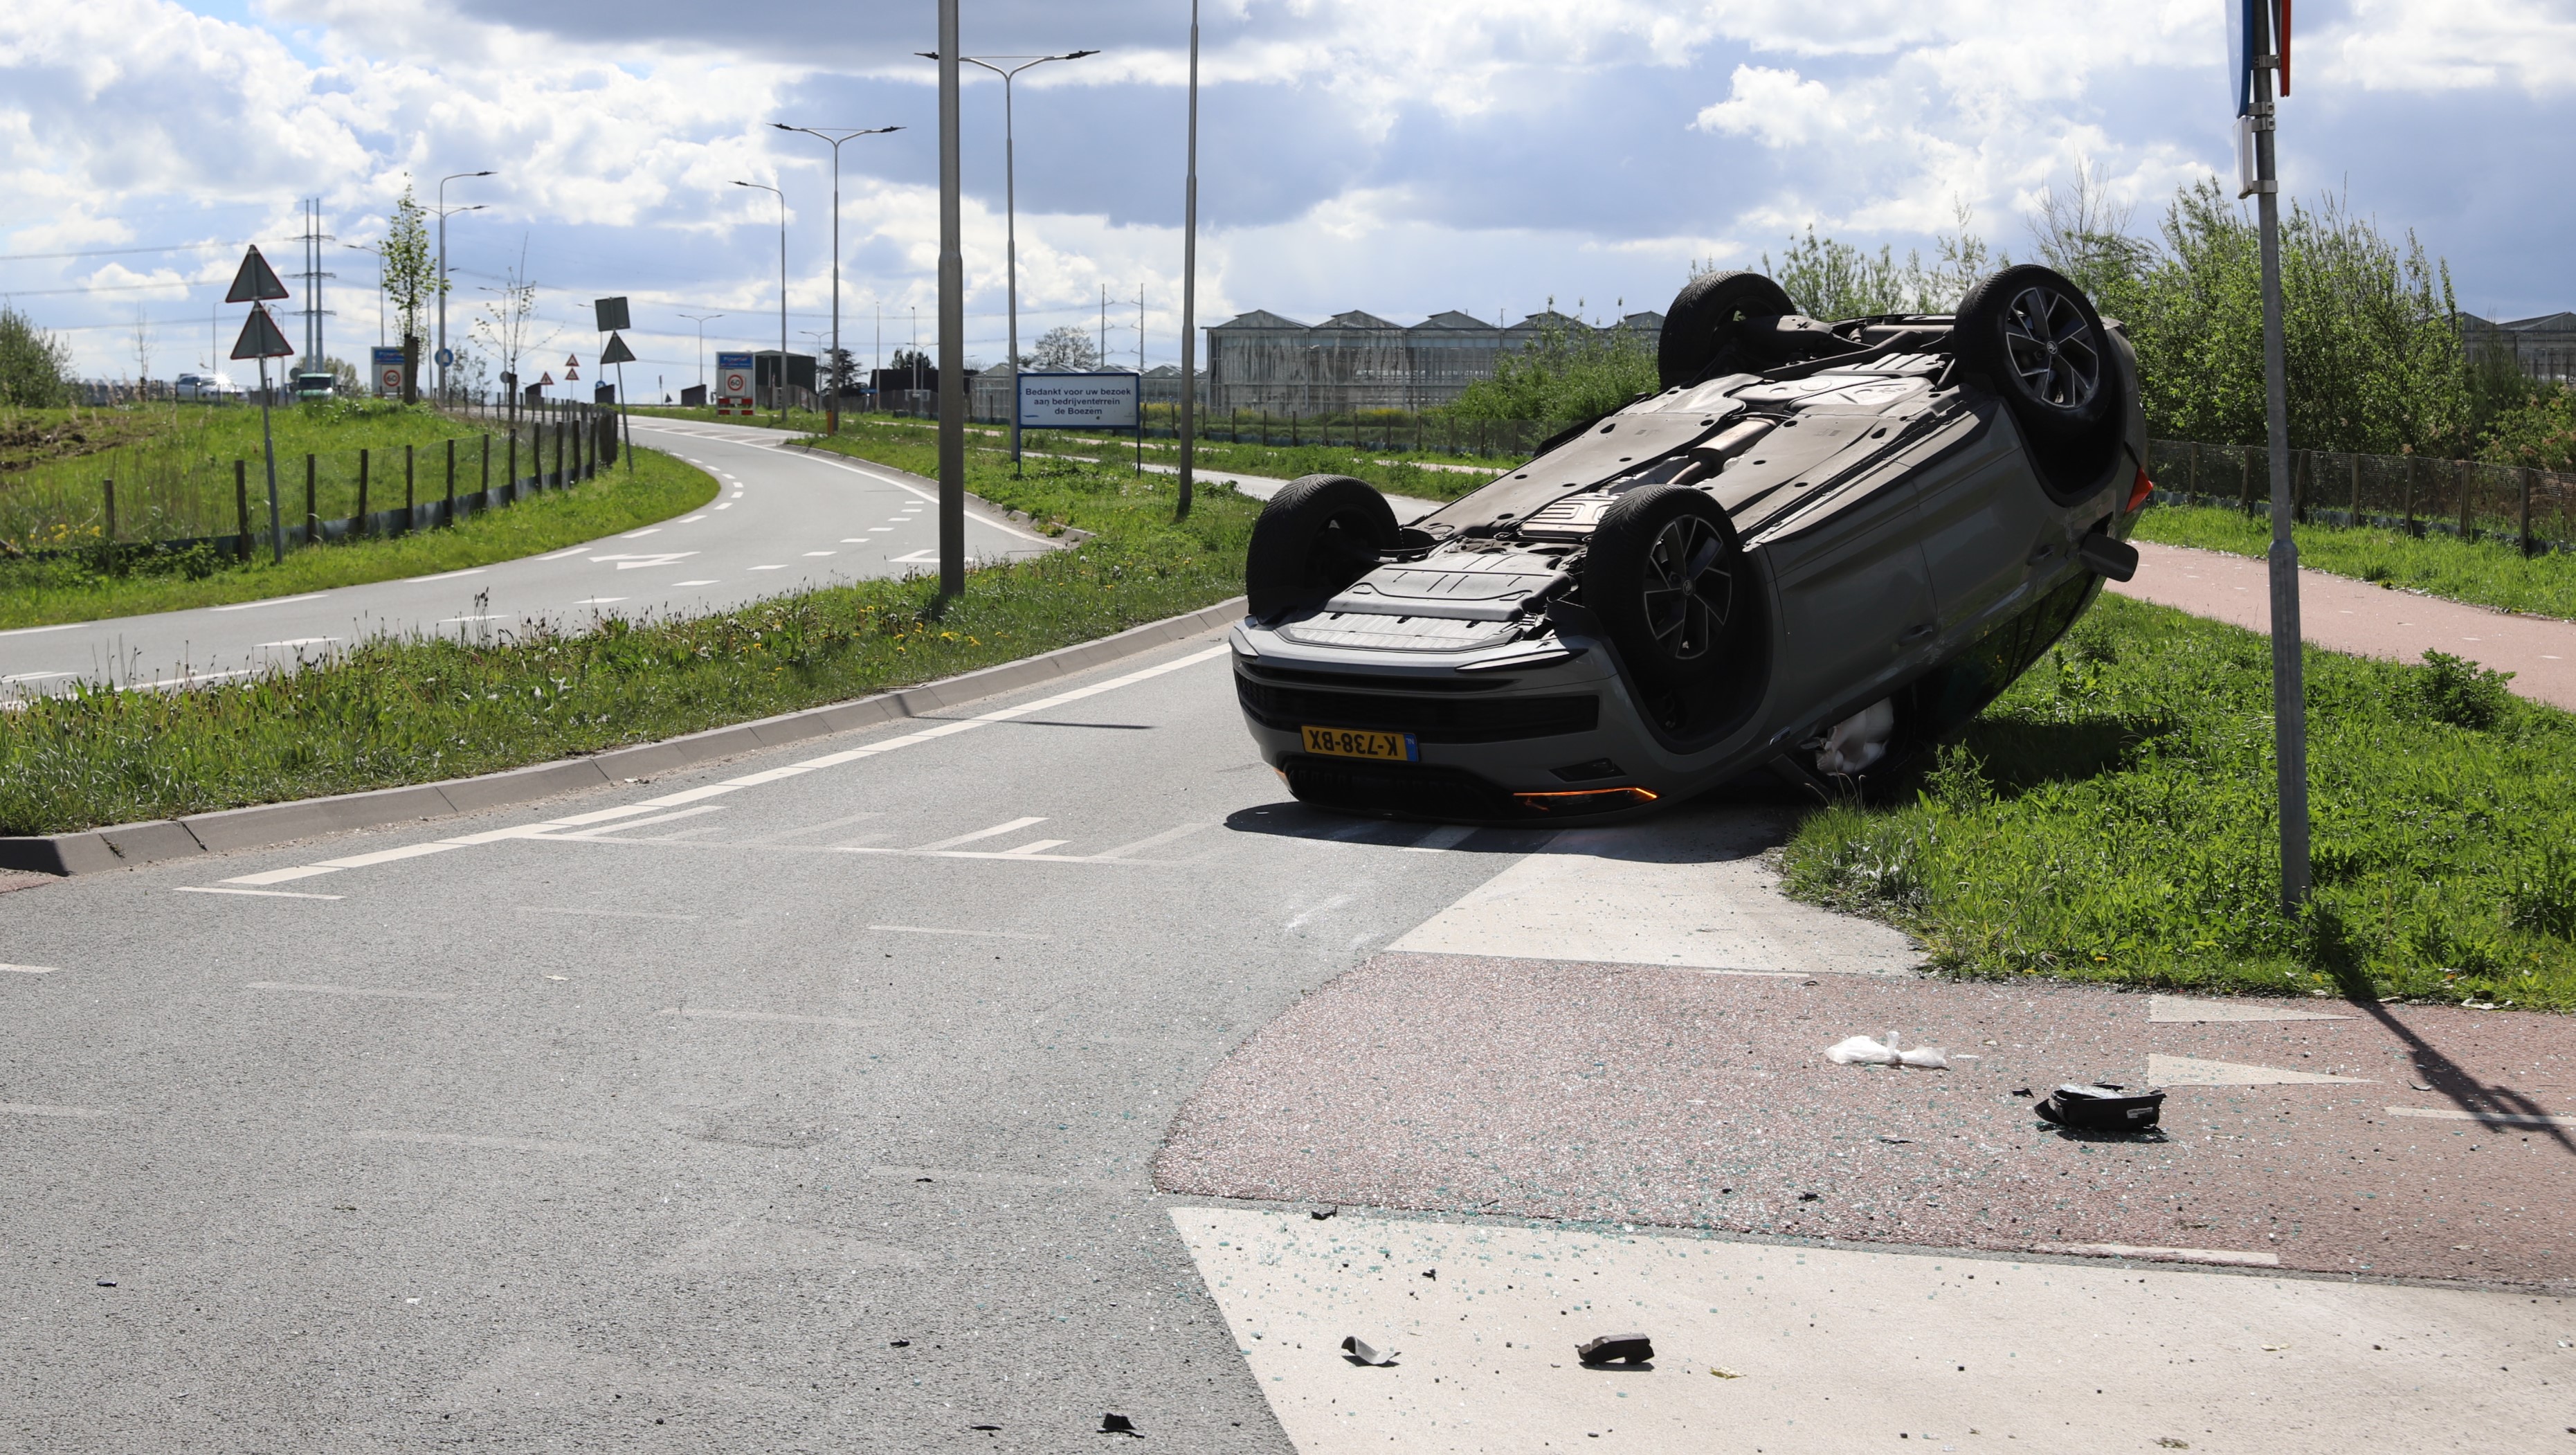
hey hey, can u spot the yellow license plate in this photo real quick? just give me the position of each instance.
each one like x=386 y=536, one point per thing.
x=1356 y=743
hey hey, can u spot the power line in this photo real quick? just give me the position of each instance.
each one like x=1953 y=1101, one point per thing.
x=203 y=247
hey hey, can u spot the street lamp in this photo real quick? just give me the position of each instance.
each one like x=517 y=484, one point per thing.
x=700 y=319
x=1011 y=210
x=442 y=269
x=782 y=298
x=836 y=136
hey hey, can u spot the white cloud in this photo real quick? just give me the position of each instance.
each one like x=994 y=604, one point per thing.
x=2441 y=45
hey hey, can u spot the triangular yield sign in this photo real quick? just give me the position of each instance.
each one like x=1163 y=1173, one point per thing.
x=260 y=338
x=617 y=352
x=571 y=373
x=545 y=379
x=256 y=282
x=572 y=361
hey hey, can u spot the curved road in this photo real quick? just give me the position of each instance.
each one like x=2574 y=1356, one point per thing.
x=783 y=519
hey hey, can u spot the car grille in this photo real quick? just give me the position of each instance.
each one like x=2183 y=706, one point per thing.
x=1429 y=719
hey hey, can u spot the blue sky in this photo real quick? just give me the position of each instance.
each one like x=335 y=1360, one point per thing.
x=1484 y=155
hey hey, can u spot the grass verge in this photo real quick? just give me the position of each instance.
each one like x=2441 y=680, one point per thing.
x=2111 y=819
x=50 y=590
x=2484 y=573
x=415 y=710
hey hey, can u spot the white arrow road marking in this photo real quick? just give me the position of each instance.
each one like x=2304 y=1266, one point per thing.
x=2168 y=1010
x=996 y=831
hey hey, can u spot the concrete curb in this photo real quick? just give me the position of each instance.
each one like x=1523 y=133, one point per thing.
x=126 y=846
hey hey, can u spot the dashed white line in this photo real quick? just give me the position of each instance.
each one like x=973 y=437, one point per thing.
x=769 y=568
x=27 y=969
x=273 y=601
x=822 y=553
x=693 y=583
x=996 y=831
x=256 y=893
x=451 y=575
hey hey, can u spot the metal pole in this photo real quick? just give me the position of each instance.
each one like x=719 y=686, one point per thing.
x=952 y=325
x=1011 y=262
x=2289 y=695
x=782 y=312
x=1190 y=274
x=268 y=447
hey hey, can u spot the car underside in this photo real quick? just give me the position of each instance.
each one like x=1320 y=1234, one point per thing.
x=1817 y=551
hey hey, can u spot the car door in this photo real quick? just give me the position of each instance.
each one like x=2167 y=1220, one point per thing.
x=1856 y=599
x=1983 y=515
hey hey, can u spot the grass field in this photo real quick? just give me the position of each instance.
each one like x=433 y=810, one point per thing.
x=411 y=711
x=2484 y=572
x=173 y=464
x=2111 y=819
x=44 y=591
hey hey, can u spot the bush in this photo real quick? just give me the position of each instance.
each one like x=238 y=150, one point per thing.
x=2458 y=691
x=32 y=364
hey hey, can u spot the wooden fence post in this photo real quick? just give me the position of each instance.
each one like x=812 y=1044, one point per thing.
x=451 y=478
x=2527 y=473
x=408 y=502
x=312 y=508
x=359 y=522
x=108 y=488
x=511 y=474
x=241 y=509
x=2460 y=477
x=2355 y=522
x=2191 y=477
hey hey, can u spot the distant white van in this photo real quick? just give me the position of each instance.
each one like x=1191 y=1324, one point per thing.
x=210 y=387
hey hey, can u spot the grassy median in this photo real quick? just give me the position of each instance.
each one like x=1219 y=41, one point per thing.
x=2483 y=573
x=93 y=585
x=411 y=711
x=2111 y=819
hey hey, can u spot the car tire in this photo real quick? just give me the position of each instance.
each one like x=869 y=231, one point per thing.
x=2036 y=339
x=1703 y=319
x=1316 y=536
x=1667 y=578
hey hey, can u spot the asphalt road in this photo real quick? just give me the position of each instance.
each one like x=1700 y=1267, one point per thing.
x=782 y=520
x=816 y=1113
x=818 y=1101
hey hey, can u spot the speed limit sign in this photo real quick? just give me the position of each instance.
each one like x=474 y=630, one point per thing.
x=388 y=365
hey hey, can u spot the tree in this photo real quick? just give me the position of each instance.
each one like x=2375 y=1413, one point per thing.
x=33 y=364
x=1836 y=280
x=412 y=283
x=908 y=366
x=1565 y=374
x=840 y=373
x=509 y=319
x=1064 y=349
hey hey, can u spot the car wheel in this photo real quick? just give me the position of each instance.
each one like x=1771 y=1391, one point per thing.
x=2036 y=338
x=1666 y=577
x=1316 y=536
x=1703 y=320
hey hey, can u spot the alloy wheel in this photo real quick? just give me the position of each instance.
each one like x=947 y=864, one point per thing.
x=1687 y=590
x=2052 y=348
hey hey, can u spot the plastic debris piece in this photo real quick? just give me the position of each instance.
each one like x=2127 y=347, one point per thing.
x=1726 y=1373
x=900 y=1344
x=1431 y=1273
x=1361 y=1351
x=983 y=1427
x=2103 y=1107
x=107 y=1283
x=1320 y=1214
x=1862 y=1051
x=2024 y=1091
x=1616 y=1349
x=1114 y=1423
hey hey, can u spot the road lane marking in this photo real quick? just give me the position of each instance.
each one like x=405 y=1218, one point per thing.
x=769 y=568
x=822 y=553
x=450 y=575
x=2490 y=1118
x=559 y=555
x=460 y=620
x=699 y=1013
x=273 y=601
x=2224 y=1256
x=459 y=1139
x=357 y=992
x=1439 y=839
x=872 y=530
x=33 y=676
x=693 y=583
x=811 y=828
x=281 y=876
x=26 y=969
x=255 y=893
x=297 y=642
x=2168 y=1010
x=994 y=832
x=31 y=1109
x=979 y=934
x=1154 y=841
x=606 y=913
x=727 y=505
x=29 y=631
x=651 y=530
x=919 y=493
x=599 y=601
x=385 y=856
x=190 y=679
x=690 y=519
x=546 y=829
x=618 y=828
x=2185 y=1071
x=1034 y=846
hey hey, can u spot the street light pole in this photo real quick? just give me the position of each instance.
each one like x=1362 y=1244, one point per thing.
x=2289 y=688
x=832 y=407
x=952 y=325
x=700 y=319
x=442 y=270
x=1011 y=213
x=782 y=301
x=1190 y=275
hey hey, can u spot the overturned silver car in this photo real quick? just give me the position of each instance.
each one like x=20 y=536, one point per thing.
x=1816 y=552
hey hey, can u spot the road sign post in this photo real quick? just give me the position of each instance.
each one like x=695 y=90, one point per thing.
x=734 y=381
x=619 y=354
x=255 y=283
x=2261 y=46
x=388 y=365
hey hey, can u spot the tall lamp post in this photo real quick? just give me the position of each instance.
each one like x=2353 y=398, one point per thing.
x=1011 y=210
x=836 y=136
x=782 y=298
x=442 y=272
x=700 y=319
x=952 y=323
x=1190 y=275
